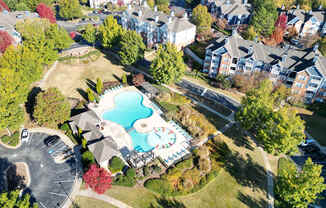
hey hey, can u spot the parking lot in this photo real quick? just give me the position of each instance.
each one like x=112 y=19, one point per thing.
x=51 y=182
x=317 y=157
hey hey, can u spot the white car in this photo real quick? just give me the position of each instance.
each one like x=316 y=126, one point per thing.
x=307 y=142
x=25 y=135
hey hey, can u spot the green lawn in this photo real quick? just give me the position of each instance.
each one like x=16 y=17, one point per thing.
x=315 y=125
x=217 y=121
x=86 y=202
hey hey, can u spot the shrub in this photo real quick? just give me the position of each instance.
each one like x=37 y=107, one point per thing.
x=5 y=41
x=138 y=79
x=116 y=164
x=45 y=12
x=124 y=79
x=159 y=185
x=68 y=132
x=87 y=159
x=131 y=172
x=122 y=180
x=186 y=164
x=146 y=170
x=12 y=140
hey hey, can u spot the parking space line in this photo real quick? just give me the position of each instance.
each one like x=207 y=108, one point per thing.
x=58 y=194
x=42 y=205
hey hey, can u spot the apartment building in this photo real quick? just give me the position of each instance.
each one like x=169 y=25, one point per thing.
x=99 y=3
x=304 y=72
x=307 y=23
x=157 y=27
x=234 y=11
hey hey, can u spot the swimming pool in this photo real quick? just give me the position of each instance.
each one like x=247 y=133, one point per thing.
x=128 y=109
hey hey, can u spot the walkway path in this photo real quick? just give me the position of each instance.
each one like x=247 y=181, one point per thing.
x=110 y=200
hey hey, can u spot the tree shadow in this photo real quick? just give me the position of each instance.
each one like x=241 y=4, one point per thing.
x=243 y=169
x=9 y=179
x=239 y=138
x=251 y=202
x=82 y=93
x=31 y=101
x=117 y=78
x=166 y=203
x=91 y=84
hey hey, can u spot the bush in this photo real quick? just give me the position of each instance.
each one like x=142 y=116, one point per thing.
x=131 y=172
x=122 y=180
x=159 y=185
x=87 y=159
x=186 y=164
x=116 y=164
x=12 y=140
x=68 y=132
x=146 y=170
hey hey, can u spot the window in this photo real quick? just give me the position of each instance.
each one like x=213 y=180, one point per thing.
x=234 y=61
x=302 y=78
x=299 y=85
x=295 y=92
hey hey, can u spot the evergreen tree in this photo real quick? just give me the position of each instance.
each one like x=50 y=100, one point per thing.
x=69 y=9
x=132 y=47
x=51 y=108
x=90 y=95
x=124 y=79
x=168 y=65
x=263 y=20
x=99 y=86
x=110 y=32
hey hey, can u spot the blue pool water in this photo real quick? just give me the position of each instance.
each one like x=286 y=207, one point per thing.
x=128 y=109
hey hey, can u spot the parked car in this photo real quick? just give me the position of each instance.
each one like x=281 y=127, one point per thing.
x=306 y=142
x=51 y=140
x=24 y=135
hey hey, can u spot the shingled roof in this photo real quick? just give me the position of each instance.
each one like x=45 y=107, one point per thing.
x=296 y=60
x=104 y=149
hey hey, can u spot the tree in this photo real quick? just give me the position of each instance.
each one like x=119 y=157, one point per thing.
x=124 y=79
x=110 y=32
x=99 y=86
x=138 y=79
x=90 y=34
x=263 y=20
x=151 y=3
x=3 y=6
x=202 y=18
x=51 y=108
x=90 y=95
x=298 y=189
x=11 y=4
x=83 y=1
x=286 y=3
x=132 y=47
x=98 y=179
x=250 y=33
x=278 y=128
x=5 y=40
x=277 y=35
x=168 y=65
x=45 y=12
x=69 y=9
x=13 y=200
x=163 y=8
x=116 y=164
x=60 y=37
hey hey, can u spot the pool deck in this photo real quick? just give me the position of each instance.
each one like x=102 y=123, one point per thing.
x=146 y=125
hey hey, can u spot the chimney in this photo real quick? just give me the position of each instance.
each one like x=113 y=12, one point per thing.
x=298 y=6
x=320 y=7
x=315 y=58
x=283 y=7
x=172 y=13
x=310 y=12
x=129 y=6
x=226 y=40
x=156 y=18
x=234 y=31
x=250 y=50
x=170 y=19
x=155 y=8
x=245 y=1
x=185 y=15
x=227 y=2
x=140 y=13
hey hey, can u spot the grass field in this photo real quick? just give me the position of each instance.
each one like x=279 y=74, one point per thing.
x=217 y=121
x=72 y=79
x=315 y=125
x=85 y=202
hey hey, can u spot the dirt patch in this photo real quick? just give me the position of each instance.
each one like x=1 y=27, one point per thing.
x=72 y=78
x=18 y=176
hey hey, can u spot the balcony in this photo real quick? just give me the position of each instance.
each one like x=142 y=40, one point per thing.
x=312 y=89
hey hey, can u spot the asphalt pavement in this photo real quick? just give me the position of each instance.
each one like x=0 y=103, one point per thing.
x=50 y=182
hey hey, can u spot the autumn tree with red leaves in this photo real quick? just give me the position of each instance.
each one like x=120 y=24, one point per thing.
x=277 y=35
x=98 y=179
x=45 y=12
x=3 y=6
x=5 y=40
